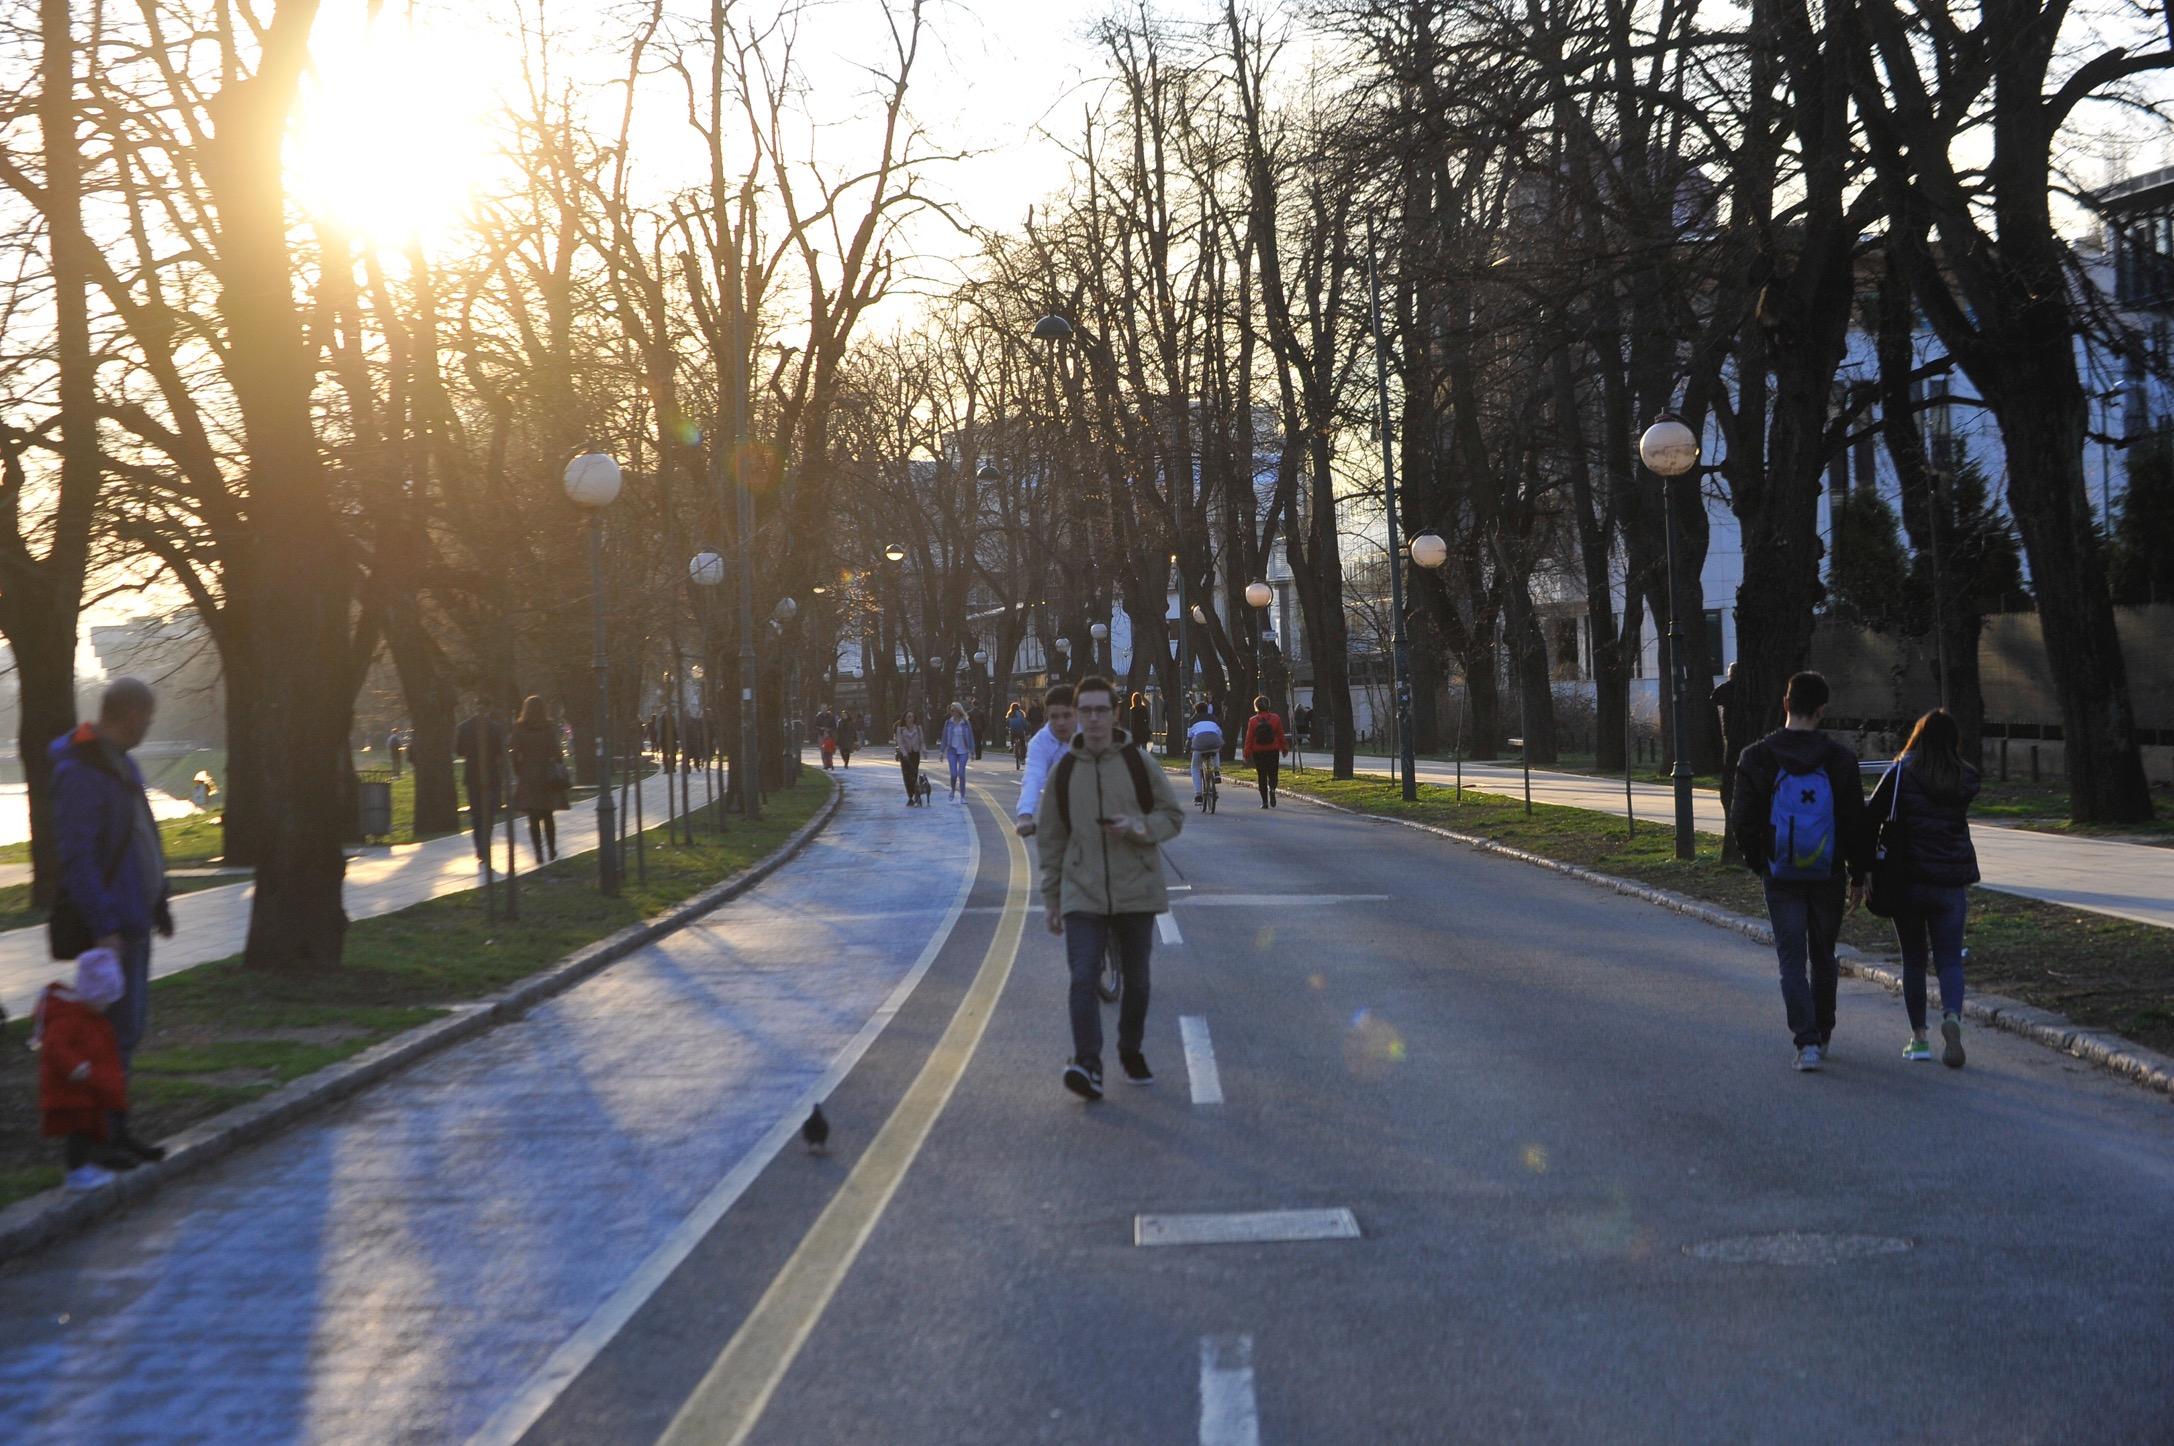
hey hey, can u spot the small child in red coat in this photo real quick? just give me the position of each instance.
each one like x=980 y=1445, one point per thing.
x=80 y=1080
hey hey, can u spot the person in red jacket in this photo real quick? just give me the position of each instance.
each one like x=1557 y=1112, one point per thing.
x=80 y=1080
x=1264 y=746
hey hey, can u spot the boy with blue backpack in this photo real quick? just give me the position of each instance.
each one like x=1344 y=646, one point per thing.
x=1800 y=824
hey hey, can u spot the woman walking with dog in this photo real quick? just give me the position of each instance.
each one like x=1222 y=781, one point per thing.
x=906 y=743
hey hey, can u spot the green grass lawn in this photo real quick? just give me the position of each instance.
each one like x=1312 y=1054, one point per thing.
x=222 y=1035
x=2103 y=973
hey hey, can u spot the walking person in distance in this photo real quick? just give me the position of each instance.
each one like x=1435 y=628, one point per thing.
x=1800 y=825
x=849 y=736
x=1140 y=722
x=540 y=783
x=958 y=747
x=1928 y=792
x=481 y=743
x=906 y=744
x=1264 y=744
x=1043 y=750
x=1099 y=831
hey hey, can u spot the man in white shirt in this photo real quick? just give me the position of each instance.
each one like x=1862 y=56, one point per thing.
x=1043 y=751
x=1204 y=740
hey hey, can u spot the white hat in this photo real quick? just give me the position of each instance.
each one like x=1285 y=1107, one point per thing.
x=98 y=978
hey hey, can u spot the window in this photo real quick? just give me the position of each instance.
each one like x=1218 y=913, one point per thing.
x=1713 y=640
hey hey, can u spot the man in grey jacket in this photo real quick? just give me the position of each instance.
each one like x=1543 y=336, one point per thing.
x=1104 y=817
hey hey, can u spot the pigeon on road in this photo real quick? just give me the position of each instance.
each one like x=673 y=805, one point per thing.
x=816 y=1132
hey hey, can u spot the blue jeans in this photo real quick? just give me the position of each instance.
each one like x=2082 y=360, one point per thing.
x=957 y=761
x=1807 y=919
x=1084 y=938
x=131 y=1014
x=1930 y=923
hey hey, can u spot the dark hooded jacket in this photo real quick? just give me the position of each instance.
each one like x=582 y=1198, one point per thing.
x=1799 y=751
x=1936 y=847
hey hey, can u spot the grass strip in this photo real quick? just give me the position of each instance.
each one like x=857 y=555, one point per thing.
x=222 y=1035
x=2101 y=972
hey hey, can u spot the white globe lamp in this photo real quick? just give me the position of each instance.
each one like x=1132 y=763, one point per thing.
x=1669 y=447
x=592 y=480
x=1429 y=551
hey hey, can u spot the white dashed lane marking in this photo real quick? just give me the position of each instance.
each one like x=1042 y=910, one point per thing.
x=1229 y=1415
x=1200 y=1060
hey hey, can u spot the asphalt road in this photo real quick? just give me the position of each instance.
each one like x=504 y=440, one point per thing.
x=1593 y=1200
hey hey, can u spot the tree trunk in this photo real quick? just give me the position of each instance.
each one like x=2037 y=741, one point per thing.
x=45 y=677
x=2098 y=727
x=301 y=582
x=1529 y=665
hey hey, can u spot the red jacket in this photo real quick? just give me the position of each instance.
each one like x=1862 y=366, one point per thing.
x=73 y=1033
x=1274 y=721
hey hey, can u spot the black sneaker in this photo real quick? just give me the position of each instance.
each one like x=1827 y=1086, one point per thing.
x=1136 y=1070
x=1082 y=1081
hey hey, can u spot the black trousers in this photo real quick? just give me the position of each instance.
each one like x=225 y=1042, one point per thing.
x=1267 y=769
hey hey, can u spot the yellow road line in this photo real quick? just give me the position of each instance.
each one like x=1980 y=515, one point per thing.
x=739 y=1384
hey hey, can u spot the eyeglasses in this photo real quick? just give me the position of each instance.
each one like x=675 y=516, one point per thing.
x=1102 y=712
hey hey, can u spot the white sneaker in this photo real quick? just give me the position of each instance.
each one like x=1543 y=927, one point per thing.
x=85 y=1178
x=1808 y=1057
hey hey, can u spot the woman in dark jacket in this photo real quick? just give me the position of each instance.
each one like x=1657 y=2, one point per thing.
x=540 y=783
x=1140 y=721
x=1928 y=790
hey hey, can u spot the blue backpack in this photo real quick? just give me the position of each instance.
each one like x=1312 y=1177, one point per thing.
x=1802 y=817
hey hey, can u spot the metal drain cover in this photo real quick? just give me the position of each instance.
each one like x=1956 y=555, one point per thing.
x=1796 y=1247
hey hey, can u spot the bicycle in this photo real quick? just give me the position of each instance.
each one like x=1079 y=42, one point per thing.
x=1019 y=751
x=1210 y=776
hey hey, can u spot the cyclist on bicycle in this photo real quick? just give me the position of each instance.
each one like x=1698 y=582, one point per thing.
x=1015 y=723
x=1204 y=740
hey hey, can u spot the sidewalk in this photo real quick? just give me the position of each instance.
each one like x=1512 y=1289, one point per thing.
x=2126 y=881
x=392 y=1269
x=213 y=923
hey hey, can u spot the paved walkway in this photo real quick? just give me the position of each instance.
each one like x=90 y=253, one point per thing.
x=2127 y=881
x=375 y=1274
x=214 y=923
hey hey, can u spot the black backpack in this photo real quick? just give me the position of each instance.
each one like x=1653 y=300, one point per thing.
x=1264 y=736
x=1062 y=782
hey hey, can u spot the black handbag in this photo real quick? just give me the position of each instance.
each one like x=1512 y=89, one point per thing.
x=1890 y=858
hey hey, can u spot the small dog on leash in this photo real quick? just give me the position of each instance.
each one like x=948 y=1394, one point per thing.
x=922 y=788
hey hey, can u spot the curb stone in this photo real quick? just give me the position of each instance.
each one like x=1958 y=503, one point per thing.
x=2147 y=1067
x=44 y=1218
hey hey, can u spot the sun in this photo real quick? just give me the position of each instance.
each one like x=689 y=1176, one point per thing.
x=389 y=141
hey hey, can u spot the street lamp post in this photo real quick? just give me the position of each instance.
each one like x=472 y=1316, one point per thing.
x=988 y=702
x=592 y=484
x=706 y=570
x=1098 y=655
x=1670 y=449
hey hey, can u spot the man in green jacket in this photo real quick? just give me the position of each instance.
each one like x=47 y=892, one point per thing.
x=1099 y=831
